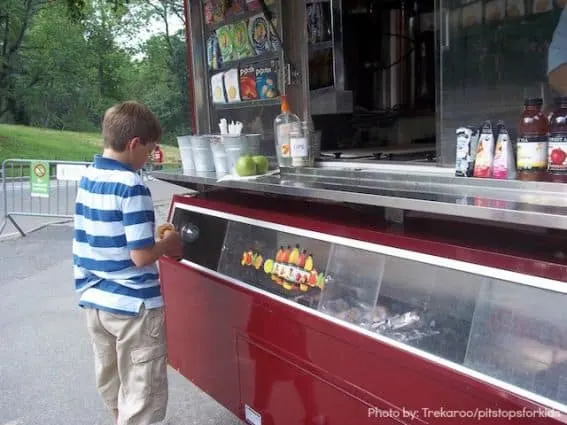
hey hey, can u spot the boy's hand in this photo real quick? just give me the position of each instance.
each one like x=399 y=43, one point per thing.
x=173 y=244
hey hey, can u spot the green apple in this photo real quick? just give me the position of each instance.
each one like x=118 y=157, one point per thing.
x=245 y=166
x=261 y=164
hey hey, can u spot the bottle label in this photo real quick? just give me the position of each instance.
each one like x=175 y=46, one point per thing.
x=283 y=140
x=557 y=152
x=299 y=148
x=532 y=153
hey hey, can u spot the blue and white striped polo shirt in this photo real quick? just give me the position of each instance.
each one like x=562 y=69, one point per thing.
x=114 y=214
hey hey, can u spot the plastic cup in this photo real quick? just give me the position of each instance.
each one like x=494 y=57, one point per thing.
x=219 y=155
x=253 y=142
x=186 y=154
x=202 y=154
x=234 y=148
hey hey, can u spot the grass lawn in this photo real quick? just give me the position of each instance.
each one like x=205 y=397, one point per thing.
x=20 y=142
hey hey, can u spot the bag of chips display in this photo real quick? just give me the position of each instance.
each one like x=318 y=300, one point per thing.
x=267 y=82
x=248 y=83
x=241 y=46
x=258 y=30
x=224 y=35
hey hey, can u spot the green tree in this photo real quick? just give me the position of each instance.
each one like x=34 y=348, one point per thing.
x=16 y=17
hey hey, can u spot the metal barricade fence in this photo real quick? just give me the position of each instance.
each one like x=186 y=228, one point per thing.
x=39 y=188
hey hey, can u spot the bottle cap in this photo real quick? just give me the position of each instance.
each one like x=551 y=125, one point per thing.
x=285 y=105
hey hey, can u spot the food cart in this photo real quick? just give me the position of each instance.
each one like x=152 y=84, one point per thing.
x=376 y=286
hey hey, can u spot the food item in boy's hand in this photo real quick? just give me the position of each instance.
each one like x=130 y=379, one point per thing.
x=231 y=83
x=258 y=30
x=217 y=87
x=165 y=228
x=224 y=35
x=266 y=82
x=241 y=46
x=248 y=83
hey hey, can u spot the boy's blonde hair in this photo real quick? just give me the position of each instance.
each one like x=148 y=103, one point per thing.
x=128 y=120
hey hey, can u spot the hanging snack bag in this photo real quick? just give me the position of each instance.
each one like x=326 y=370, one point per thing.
x=224 y=35
x=219 y=11
x=274 y=42
x=217 y=87
x=266 y=82
x=231 y=83
x=259 y=33
x=237 y=7
x=213 y=54
x=240 y=42
x=208 y=11
x=248 y=83
x=252 y=4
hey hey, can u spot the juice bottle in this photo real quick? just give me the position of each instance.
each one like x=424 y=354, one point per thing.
x=283 y=125
x=533 y=130
x=557 y=150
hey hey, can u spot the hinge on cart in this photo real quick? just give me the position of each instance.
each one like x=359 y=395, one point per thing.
x=292 y=76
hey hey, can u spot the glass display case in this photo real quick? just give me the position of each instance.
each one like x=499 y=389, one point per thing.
x=493 y=55
x=509 y=332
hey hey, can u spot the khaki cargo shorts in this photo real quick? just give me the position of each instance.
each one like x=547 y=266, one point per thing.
x=131 y=363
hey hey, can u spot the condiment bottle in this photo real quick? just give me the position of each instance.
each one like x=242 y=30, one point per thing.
x=282 y=129
x=557 y=150
x=533 y=130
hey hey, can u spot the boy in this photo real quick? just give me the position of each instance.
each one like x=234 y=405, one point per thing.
x=114 y=255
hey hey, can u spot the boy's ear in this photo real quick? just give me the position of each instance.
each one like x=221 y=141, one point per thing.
x=132 y=144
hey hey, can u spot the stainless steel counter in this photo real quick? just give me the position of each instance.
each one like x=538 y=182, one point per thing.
x=417 y=188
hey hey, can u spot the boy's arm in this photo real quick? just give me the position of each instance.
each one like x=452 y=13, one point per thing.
x=170 y=245
x=139 y=222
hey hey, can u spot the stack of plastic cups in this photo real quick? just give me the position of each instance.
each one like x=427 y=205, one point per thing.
x=186 y=154
x=219 y=156
x=252 y=145
x=233 y=146
x=202 y=154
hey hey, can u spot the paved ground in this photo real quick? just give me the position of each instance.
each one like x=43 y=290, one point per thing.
x=46 y=366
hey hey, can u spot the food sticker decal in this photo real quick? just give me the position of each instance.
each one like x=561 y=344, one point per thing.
x=292 y=268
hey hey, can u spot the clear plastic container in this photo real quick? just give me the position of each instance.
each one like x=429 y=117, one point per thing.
x=202 y=154
x=282 y=128
x=219 y=155
x=234 y=148
x=186 y=154
x=300 y=141
x=253 y=142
